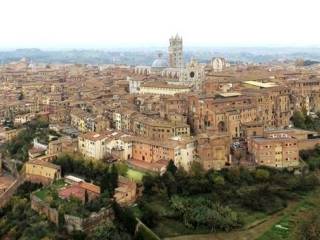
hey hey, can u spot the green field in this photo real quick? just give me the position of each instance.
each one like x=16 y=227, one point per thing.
x=288 y=226
x=46 y=191
x=135 y=175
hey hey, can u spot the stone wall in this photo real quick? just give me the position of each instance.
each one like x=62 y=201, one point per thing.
x=43 y=208
x=73 y=223
x=6 y=196
x=38 y=179
x=308 y=144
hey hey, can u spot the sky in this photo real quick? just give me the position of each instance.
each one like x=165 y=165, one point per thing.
x=146 y=23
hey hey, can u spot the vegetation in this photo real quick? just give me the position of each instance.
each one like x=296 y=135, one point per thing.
x=109 y=231
x=217 y=201
x=98 y=172
x=310 y=228
x=135 y=175
x=199 y=211
x=18 y=147
x=312 y=158
x=18 y=221
x=301 y=222
x=300 y=119
x=73 y=206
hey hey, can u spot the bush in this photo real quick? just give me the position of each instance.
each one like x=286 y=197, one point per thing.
x=144 y=233
x=310 y=229
x=262 y=175
x=261 y=198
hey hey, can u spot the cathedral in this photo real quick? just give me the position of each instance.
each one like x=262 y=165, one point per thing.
x=190 y=74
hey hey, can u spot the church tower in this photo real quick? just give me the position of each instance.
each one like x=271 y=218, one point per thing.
x=175 y=52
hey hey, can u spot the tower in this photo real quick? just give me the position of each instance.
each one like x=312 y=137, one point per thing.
x=175 y=52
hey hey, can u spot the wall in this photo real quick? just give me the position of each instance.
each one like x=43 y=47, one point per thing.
x=83 y=224
x=43 y=208
x=308 y=144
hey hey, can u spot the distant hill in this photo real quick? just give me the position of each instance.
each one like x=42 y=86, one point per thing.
x=146 y=56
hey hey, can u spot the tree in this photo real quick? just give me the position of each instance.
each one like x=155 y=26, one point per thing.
x=86 y=197
x=104 y=185
x=218 y=180
x=298 y=119
x=170 y=183
x=106 y=232
x=262 y=175
x=122 y=168
x=182 y=207
x=171 y=167
x=113 y=178
x=126 y=217
x=196 y=169
x=150 y=215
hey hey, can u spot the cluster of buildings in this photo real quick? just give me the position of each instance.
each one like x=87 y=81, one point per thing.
x=214 y=113
x=175 y=109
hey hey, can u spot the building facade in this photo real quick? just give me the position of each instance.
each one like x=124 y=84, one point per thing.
x=176 y=52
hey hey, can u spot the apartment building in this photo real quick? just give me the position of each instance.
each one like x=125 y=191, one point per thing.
x=41 y=171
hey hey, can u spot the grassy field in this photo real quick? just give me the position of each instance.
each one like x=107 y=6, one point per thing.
x=282 y=225
x=42 y=194
x=169 y=227
x=287 y=227
x=135 y=175
x=45 y=192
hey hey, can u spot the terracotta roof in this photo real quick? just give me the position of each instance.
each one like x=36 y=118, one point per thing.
x=73 y=190
x=90 y=187
x=36 y=150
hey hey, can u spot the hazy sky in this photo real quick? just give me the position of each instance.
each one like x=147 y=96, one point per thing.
x=122 y=23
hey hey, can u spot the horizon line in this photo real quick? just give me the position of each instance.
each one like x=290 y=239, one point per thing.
x=152 y=46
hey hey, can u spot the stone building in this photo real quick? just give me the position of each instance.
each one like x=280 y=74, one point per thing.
x=221 y=114
x=155 y=155
x=213 y=151
x=44 y=172
x=218 y=64
x=276 y=150
x=98 y=146
x=176 y=52
x=126 y=192
x=193 y=74
x=158 y=129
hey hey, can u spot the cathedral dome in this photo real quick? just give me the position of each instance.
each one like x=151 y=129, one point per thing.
x=159 y=62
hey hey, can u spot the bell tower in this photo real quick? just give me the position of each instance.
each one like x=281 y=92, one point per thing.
x=176 y=52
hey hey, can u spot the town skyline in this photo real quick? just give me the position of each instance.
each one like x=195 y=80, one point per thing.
x=149 y=120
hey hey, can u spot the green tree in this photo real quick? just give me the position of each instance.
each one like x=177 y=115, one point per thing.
x=196 y=169
x=171 y=167
x=298 y=119
x=218 y=180
x=122 y=168
x=262 y=175
x=150 y=215
x=113 y=178
x=105 y=182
